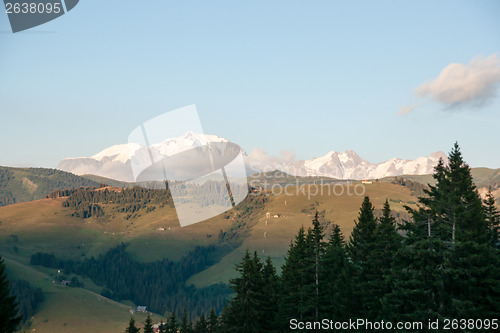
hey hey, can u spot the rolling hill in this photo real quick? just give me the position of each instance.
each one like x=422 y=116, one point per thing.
x=483 y=178
x=68 y=310
x=27 y=184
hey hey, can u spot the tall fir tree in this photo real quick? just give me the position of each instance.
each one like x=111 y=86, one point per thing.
x=452 y=209
x=185 y=325
x=171 y=325
x=386 y=244
x=292 y=296
x=335 y=275
x=9 y=318
x=473 y=286
x=447 y=267
x=464 y=209
x=492 y=215
x=224 y=320
x=362 y=237
x=213 y=322
x=131 y=326
x=311 y=270
x=360 y=246
x=148 y=325
x=268 y=306
x=423 y=264
x=201 y=325
x=243 y=313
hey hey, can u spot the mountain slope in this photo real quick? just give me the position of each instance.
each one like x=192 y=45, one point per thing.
x=66 y=309
x=26 y=184
x=483 y=178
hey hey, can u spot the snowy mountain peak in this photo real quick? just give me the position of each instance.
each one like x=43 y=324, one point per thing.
x=184 y=142
x=115 y=161
x=349 y=165
x=120 y=153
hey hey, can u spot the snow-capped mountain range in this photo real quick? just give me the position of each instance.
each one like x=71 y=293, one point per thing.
x=115 y=162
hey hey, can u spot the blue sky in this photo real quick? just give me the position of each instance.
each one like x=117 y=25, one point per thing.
x=307 y=76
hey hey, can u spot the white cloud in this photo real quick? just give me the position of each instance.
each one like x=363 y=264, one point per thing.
x=474 y=84
x=406 y=109
x=287 y=162
x=260 y=159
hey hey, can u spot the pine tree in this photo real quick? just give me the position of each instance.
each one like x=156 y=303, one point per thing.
x=268 y=306
x=363 y=235
x=213 y=322
x=316 y=248
x=171 y=326
x=361 y=244
x=465 y=208
x=447 y=267
x=492 y=216
x=131 y=326
x=474 y=285
x=9 y=318
x=314 y=251
x=148 y=325
x=225 y=320
x=243 y=314
x=379 y=262
x=201 y=325
x=452 y=210
x=335 y=274
x=427 y=219
x=185 y=324
x=292 y=294
x=423 y=264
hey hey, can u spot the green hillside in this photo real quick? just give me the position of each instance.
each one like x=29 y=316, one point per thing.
x=483 y=177
x=68 y=310
x=276 y=177
x=108 y=181
x=27 y=184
